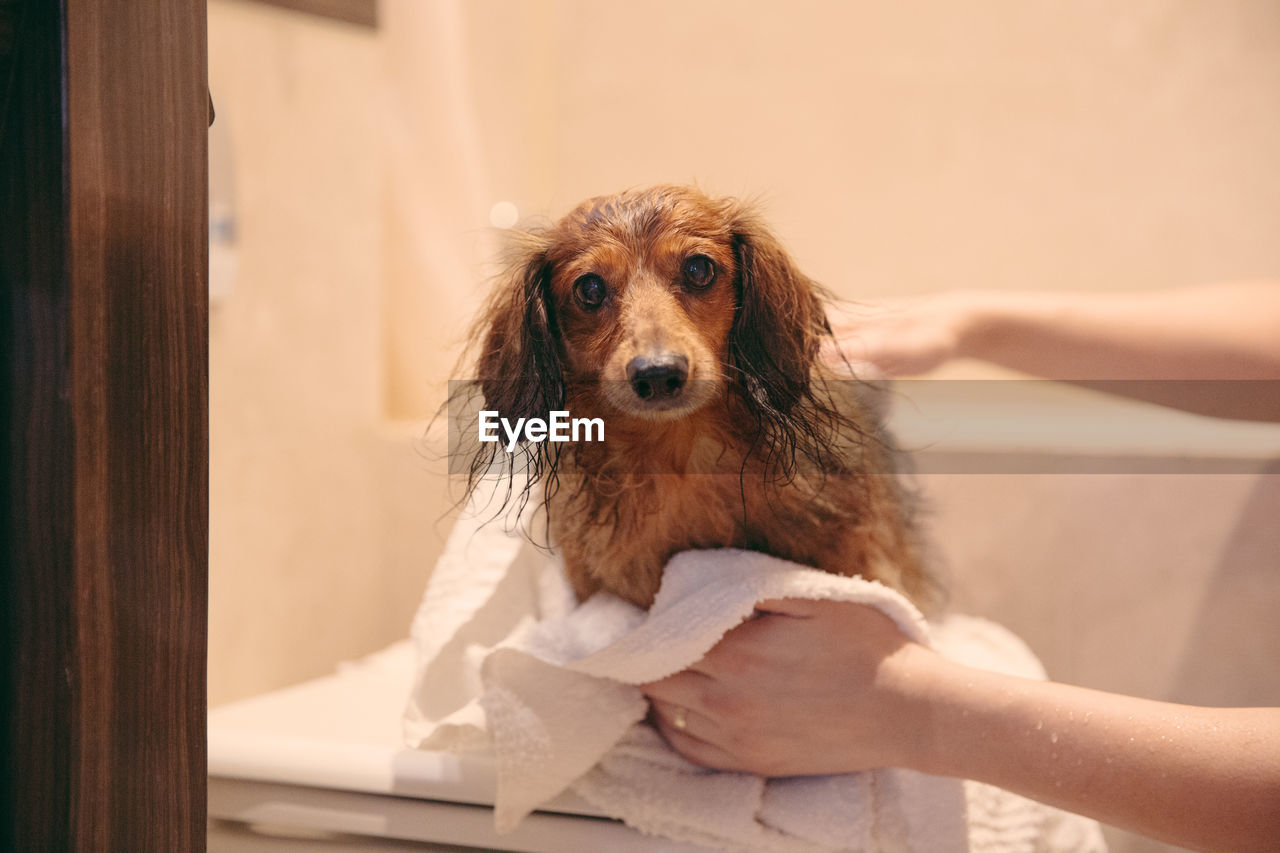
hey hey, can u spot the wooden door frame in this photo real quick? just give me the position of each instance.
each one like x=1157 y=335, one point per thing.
x=104 y=418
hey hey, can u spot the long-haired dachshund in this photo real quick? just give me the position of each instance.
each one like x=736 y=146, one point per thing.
x=680 y=322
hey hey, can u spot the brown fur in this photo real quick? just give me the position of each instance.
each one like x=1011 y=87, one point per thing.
x=758 y=450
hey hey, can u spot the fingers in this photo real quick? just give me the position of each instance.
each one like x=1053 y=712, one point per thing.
x=692 y=735
x=866 y=357
x=669 y=716
x=699 y=751
x=740 y=646
x=684 y=689
x=799 y=607
x=680 y=715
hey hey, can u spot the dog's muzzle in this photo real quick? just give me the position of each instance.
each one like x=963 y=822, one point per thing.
x=658 y=377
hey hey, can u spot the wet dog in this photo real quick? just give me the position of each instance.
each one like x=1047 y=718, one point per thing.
x=680 y=322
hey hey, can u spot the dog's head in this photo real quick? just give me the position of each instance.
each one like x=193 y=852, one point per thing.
x=660 y=300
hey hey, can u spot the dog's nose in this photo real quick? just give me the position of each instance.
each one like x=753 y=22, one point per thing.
x=657 y=377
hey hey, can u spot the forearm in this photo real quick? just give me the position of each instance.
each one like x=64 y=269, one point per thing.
x=1163 y=344
x=1220 y=331
x=1199 y=777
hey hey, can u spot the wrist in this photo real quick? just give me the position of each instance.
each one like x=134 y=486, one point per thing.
x=977 y=318
x=916 y=678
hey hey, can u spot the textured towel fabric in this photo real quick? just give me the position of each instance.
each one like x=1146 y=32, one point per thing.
x=508 y=662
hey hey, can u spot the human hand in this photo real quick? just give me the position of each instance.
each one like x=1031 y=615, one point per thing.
x=902 y=338
x=805 y=687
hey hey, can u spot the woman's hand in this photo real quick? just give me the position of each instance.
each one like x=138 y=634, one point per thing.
x=903 y=338
x=827 y=687
x=804 y=687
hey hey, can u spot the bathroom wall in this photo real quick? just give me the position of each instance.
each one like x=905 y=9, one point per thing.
x=897 y=149
x=1155 y=585
x=322 y=514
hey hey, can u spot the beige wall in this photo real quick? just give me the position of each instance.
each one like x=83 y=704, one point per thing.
x=899 y=147
x=321 y=517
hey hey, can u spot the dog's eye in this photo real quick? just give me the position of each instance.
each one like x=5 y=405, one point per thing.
x=699 y=271
x=590 y=290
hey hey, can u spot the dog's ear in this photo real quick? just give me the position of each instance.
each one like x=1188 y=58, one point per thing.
x=780 y=320
x=519 y=365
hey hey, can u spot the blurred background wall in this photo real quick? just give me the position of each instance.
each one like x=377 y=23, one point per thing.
x=897 y=148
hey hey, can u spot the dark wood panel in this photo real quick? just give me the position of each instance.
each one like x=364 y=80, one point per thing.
x=104 y=273
x=137 y=102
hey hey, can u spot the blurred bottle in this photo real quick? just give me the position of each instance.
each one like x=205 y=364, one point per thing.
x=223 y=254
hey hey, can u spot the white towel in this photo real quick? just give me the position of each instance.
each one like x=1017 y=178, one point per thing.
x=507 y=662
